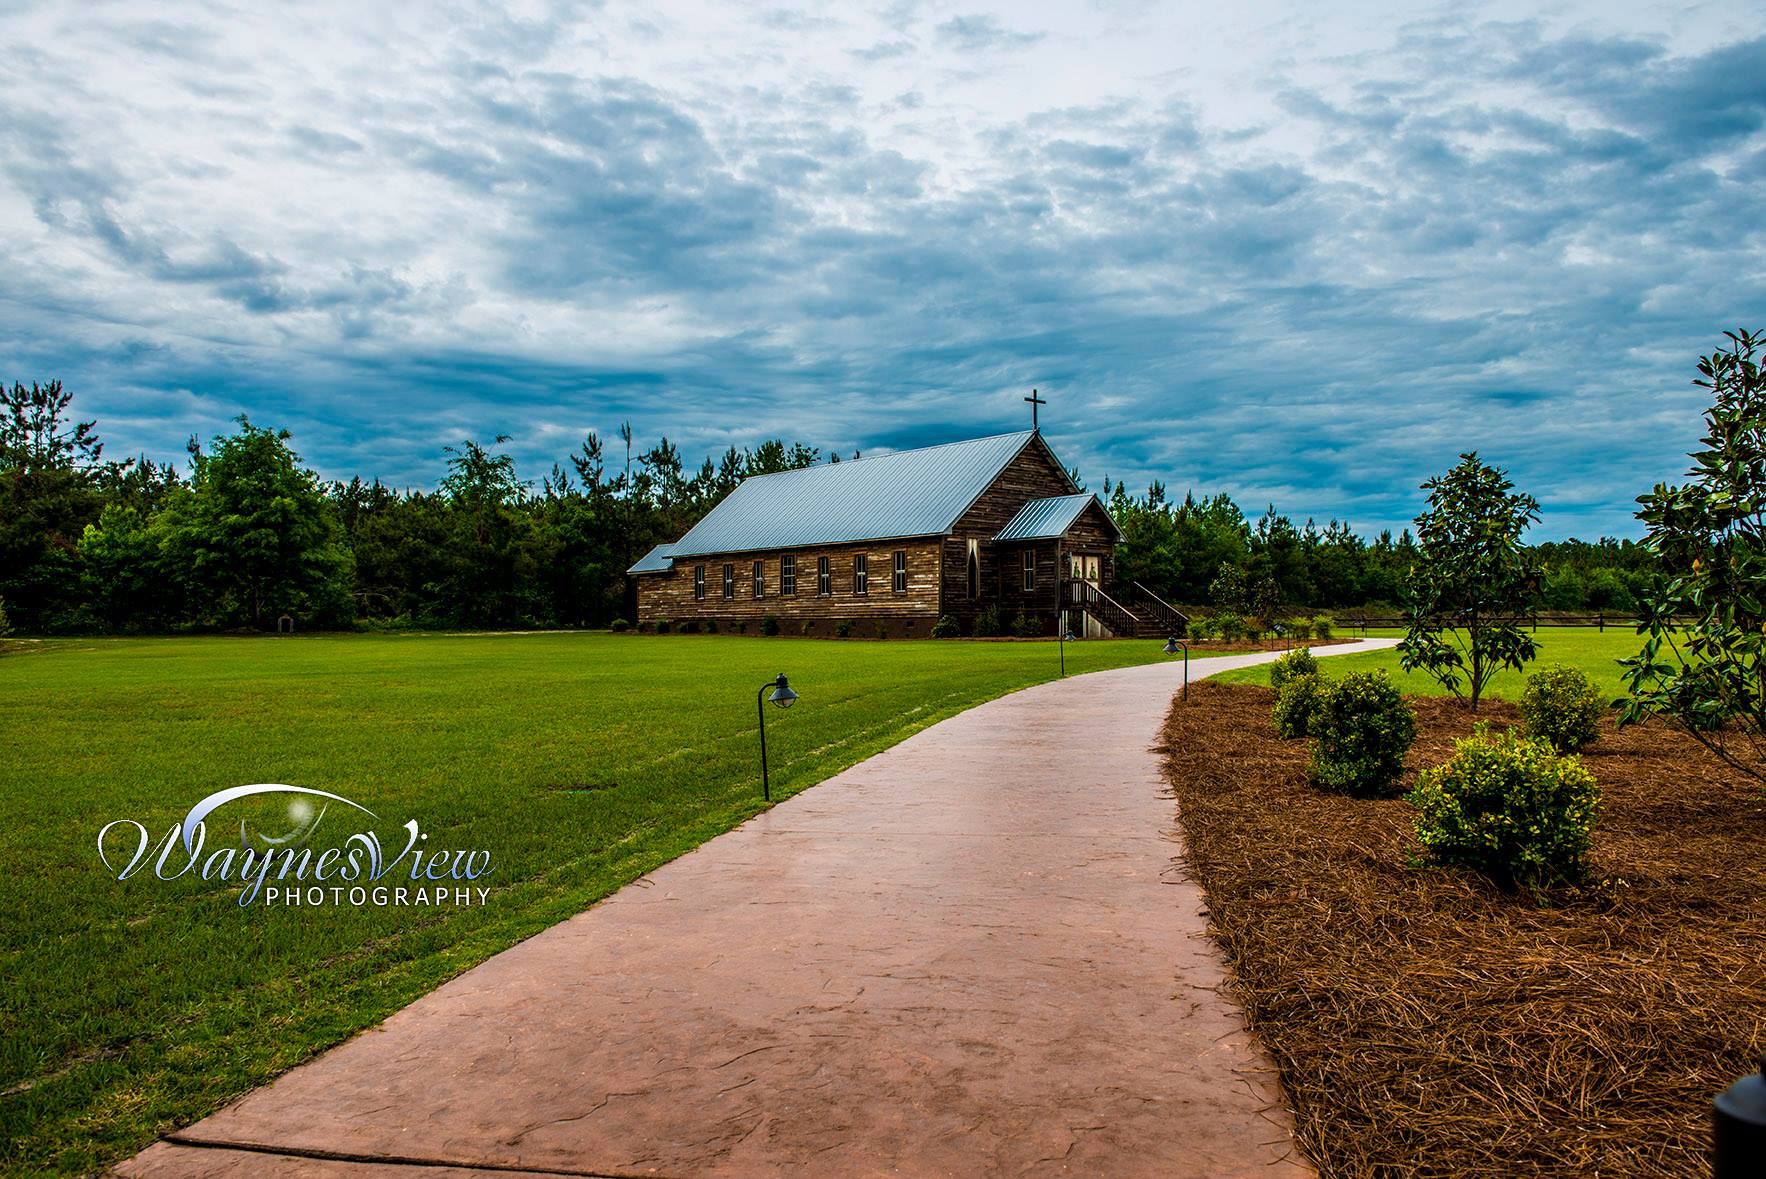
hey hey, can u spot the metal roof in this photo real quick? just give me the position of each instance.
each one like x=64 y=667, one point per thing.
x=657 y=560
x=1046 y=519
x=909 y=493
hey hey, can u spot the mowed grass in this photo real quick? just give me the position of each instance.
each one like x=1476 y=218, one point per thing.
x=580 y=761
x=1585 y=648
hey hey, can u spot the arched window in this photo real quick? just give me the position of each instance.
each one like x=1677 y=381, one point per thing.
x=974 y=569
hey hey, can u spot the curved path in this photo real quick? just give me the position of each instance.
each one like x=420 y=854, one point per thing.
x=972 y=954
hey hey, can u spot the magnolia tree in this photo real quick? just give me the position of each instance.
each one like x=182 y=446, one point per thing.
x=1703 y=663
x=1470 y=592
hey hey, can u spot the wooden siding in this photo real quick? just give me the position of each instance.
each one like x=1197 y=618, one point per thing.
x=1032 y=475
x=670 y=595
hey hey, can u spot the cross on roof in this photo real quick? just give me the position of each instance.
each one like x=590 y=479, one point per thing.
x=1034 y=401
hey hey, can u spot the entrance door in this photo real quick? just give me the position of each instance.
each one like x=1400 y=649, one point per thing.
x=1089 y=569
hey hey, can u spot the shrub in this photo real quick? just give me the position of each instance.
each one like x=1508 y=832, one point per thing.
x=1254 y=629
x=740 y=626
x=1201 y=629
x=882 y=629
x=1027 y=626
x=1229 y=627
x=1323 y=627
x=1295 y=704
x=689 y=626
x=1361 y=729
x=1509 y=807
x=808 y=627
x=843 y=629
x=1298 y=628
x=769 y=625
x=946 y=628
x=711 y=626
x=662 y=626
x=1561 y=707
x=1291 y=666
x=987 y=623
x=619 y=626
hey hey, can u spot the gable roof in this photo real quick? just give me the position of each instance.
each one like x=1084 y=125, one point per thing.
x=909 y=493
x=657 y=560
x=1048 y=519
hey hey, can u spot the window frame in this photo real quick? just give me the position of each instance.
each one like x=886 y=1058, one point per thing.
x=898 y=573
x=698 y=583
x=788 y=575
x=729 y=581
x=861 y=574
x=1029 y=570
x=758 y=582
x=824 y=578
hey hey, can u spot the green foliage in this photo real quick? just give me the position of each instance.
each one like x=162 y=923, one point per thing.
x=1323 y=627
x=987 y=623
x=1508 y=807
x=1703 y=662
x=1361 y=730
x=1297 y=628
x=808 y=627
x=662 y=626
x=1295 y=663
x=619 y=626
x=688 y=626
x=1295 y=702
x=769 y=625
x=711 y=626
x=1229 y=627
x=843 y=629
x=946 y=628
x=1469 y=594
x=740 y=626
x=882 y=630
x=1202 y=628
x=1562 y=707
x=1027 y=626
x=5 y=622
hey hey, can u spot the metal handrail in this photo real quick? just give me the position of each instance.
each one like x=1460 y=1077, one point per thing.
x=1162 y=603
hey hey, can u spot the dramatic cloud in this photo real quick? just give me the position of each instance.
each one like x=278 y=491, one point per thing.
x=1301 y=262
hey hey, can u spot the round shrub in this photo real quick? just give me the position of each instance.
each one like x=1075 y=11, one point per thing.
x=1562 y=707
x=711 y=626
x=1508 y=807
x=619 y=626
x=662 y=626
x=808 y=627
x=769 y=625
x=1027 y=626
x=1229 y=627
x=1361 y=729
x=1289 y=666
x=689 y=626
x=946 y=628
x=1322 y=627
x=1298 y=628
x=882 y=629
x=843 y=629
x=987 y=623
x=1295 y=703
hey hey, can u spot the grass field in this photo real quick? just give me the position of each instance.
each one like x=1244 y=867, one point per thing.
x=580 y=761
x=1589 y=650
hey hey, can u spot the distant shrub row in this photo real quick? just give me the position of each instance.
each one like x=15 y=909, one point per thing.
x=987 y=625
x=1231 y=628
x=1518 y=807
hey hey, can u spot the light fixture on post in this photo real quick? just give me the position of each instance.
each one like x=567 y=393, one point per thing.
x=784 y=697
x=1172 y=645
x=1069 y=637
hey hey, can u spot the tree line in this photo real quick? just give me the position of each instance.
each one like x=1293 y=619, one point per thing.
x=243 y=532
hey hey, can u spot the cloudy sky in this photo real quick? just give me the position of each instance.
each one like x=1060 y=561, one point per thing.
x=1300 y=255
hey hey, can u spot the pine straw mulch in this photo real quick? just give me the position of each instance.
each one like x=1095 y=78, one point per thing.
x=1427 y=1024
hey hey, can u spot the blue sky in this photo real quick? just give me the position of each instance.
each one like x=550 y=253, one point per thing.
x=1295 y=255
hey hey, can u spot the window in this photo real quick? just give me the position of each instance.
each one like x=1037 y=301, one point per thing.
x=861 y=574
x=788 y=574
x=729 y=581
x=900 y=581
x=824 y=583
x=974 y=569
x=759 y=581
x=698 y=581
x=1029 y=569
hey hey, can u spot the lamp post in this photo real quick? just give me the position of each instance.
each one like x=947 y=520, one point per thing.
x=1739 y=1137
x=1171 y=648
x=784 y=697
x=1069 y=637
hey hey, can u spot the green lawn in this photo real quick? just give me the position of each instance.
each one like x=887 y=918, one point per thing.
x=580 y=761
x=1583 y=647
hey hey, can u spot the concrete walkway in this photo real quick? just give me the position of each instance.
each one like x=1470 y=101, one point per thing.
x=972 y=954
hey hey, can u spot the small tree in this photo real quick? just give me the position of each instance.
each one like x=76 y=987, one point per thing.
x=1703 y=663
x=1469 y=592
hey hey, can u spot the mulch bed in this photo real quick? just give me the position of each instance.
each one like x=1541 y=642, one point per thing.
x=1424 y=1022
